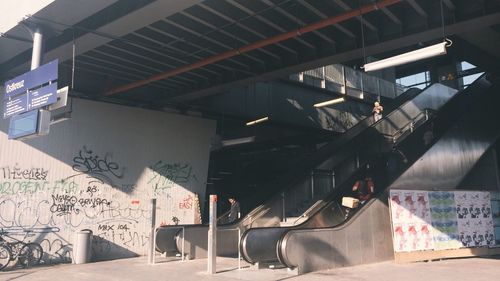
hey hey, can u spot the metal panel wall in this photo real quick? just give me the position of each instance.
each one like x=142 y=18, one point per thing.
x=99 y=171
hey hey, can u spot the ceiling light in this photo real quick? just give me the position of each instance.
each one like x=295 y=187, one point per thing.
x=329 y=102
x=237 y=141
x=420 y=54
x=257 y=121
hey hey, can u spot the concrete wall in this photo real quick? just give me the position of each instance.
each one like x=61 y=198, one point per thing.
x=99 y=171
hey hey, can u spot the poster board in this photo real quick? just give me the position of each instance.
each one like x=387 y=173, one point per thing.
x=441 y=220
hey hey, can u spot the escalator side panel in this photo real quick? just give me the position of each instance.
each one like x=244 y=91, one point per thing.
x=194 y=241
x=365 y=239
x=445 y=165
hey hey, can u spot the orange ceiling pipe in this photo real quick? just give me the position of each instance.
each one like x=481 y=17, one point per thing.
x=259 y=44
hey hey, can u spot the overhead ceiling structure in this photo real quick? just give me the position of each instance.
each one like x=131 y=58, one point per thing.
x=169 y=53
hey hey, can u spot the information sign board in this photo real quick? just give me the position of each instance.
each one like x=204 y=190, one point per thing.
x=31 y=79
x=42 y=97
x=15 y=106
x=34 y=99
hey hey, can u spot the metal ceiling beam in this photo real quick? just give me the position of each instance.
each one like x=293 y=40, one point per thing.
x=121 y=74
x=259 y=44
x=142 y=57
x=346 y=7
x=138 y=69
x=295 y=19
x=386 y=46
x=195 y=45
x=146 y=58
x=268 y=22
x=205 y=37
x=254 y=32
x=186 y=54
x=417 y=8
x=323 y=16
x=160 y=53
x=391 y=15
x=215 y=28
x=142 y=17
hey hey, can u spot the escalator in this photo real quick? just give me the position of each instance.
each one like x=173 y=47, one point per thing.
x=191 y=240
x=468 y=127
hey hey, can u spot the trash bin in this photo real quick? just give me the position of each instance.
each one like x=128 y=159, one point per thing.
x=83 y=246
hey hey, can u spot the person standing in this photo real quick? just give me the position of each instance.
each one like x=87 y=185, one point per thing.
x=234 y=213
x=377 y=111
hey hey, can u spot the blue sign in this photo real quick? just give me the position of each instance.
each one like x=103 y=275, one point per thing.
x=23 y=125
x=42 y=97
x=15 y=106
x=29 y=80
x=34 y=99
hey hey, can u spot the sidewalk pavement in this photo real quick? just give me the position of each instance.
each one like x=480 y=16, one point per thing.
x=467 y=269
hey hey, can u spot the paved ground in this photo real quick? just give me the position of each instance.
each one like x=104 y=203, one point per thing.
x=470 y=269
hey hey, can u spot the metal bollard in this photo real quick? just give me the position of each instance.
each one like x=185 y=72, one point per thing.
x=152 y=234
x=212 y=235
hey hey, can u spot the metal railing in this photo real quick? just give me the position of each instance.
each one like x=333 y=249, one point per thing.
x=183 y=241
x=410 y=126
x=238 y=245
x=343 y=79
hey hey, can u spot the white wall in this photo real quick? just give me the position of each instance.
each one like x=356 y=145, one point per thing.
x=99 y=171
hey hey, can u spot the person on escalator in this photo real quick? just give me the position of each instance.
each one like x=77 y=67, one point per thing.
x=377 y=111
x=363 y=190
x=234 y=213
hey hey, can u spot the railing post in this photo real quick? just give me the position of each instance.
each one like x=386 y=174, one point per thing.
x=333 y=180
x=239 y=248
x=362 y=87
x=183 y=240
x=283 y=207
x=344 y=81
x=323 y=80
x=312 y=184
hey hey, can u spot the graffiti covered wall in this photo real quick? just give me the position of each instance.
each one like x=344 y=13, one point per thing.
x=99 y=171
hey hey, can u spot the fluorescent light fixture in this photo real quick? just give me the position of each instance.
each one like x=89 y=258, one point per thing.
x=329 y=102
x=420 y=54
x=257 y=121
x=237 y=141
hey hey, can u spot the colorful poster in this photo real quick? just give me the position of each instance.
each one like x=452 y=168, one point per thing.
x=444 y=220
x=474 y=216
x=411 y=220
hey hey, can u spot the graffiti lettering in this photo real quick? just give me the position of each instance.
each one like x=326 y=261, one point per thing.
x=64 y=204
x=87 y=162
x=165 y=176
x=23 y=187
x=16 y=173
x=104 y=227
x=187 y=203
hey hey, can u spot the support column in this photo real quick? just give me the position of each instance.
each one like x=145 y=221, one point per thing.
x=36 y=56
